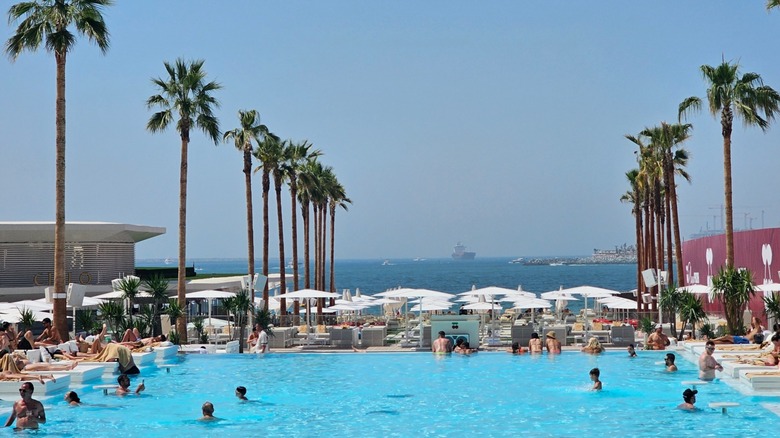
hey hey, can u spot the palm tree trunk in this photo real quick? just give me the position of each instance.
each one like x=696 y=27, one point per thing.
x=677 y=241
x=332 y=249
x=266 y=189
x=250 y=228
x=323 y=240
x=282 y=267
x=669 y=245
x=659 y=249
x=639 y=261
x=181 y=287
x=726 y=123
x=306 y=245
x=60 y=310
x=294 y=225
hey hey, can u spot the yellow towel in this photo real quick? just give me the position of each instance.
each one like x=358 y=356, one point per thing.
x=114 y=351
x=763 y=373
x=7 y=363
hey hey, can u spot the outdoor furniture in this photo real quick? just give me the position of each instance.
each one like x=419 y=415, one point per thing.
x=622 y=335
x=343 y=337
x=373 y=336
x=522 y=334
x=283 y=337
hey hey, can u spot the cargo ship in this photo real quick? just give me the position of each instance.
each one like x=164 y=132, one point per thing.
x=460 y=253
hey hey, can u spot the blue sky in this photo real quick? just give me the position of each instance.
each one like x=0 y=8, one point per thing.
x=499 y=124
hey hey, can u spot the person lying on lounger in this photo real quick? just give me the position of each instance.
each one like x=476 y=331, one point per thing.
x=16 y=377
x=132 y=339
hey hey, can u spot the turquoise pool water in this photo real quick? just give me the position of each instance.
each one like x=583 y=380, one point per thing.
x=412 y=394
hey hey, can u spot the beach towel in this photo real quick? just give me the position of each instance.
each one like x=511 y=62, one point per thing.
x=7 y=363
x=112 y=352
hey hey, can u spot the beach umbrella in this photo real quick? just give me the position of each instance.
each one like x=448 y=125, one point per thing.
x=210 y=295
x=427 y=307
x=14 y=314
x=118 y=294
x=769 y=287
x=305 y=294
x=696 y=289
x=419 y=293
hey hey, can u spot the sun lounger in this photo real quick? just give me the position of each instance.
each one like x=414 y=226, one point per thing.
x=144 y=359
x=81 y=374
x=166 y=351
x=761 y=380
x=733 y=368
x=11 y=387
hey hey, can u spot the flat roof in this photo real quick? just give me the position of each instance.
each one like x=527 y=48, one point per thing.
x=24 y=232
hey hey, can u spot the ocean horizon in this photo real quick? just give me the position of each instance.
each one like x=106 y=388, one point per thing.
x=372 y=276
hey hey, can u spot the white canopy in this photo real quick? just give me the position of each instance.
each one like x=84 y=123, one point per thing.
x=211 y=294
x=118 y=294
x=307 y=293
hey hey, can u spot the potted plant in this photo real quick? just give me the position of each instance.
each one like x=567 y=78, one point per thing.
x=646 y=325
x=734 y=289
x=691 y=312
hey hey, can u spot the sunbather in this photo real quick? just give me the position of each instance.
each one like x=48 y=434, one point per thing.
x=49 y=336
x=117 y=353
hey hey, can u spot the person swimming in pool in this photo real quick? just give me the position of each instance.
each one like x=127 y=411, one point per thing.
x=241 y=393
x=669 y=362
x=535 y=344
x=594 y=377
x=442 y=344
x=124 y=385
x=707 y=364
x=689 y=398
x=208 y=412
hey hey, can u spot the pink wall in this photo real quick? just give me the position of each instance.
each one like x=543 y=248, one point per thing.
x=753 y=249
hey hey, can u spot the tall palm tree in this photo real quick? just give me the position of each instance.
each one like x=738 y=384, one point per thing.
x=634 y=197
x=730 y=93
x=184 y=94
x=49 y=20
x=298 y=155
x=249 y=133
x=666 y=140
x=307 y=187
x=771 y=4
x=338 y=198
x=279 y=173
x=269 y=153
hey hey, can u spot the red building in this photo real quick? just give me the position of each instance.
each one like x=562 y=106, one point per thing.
x=704 y=257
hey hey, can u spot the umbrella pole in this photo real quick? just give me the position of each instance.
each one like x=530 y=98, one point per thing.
x=419 y=342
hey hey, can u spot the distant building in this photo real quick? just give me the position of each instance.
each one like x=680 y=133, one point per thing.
x=95 y=254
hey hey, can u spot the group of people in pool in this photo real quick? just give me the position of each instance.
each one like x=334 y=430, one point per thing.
x=443 y=344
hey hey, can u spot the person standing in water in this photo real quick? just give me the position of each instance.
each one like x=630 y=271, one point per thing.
x=27 y=412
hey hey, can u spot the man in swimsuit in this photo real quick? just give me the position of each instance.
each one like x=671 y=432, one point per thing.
x=208 y=412
x=669 y=362
x=658 y=340
x=27 y=412
x=124 y=385
x=442 y=344
x=707 y=364
x=50 y=335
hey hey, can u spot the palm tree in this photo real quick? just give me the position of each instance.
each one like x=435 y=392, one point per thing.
x=184 y=94
x=634 y=197
x=130 y=287
x=158 y=287
x=269 y=153
x=665 y=140
x=730 y=93
x=249 y=133
x=240 y=306
x=279 y=172
x=307 y=187
x=298 y=155
x=734 y=289
x=338 y=198
x=50 y=20
x=691 y=312
x=770 y=4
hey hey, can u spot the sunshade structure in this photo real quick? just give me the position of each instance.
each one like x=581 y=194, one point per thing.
x=589 y=292
x=12 y=313
x=210 y=295
x=769 y=287
x=118 y=294
x=305 y=294
x=561 y=299
x=418 y=293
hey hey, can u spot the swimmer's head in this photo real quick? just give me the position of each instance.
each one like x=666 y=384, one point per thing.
x=670 y=358
x=515 y=347
x=441 y=333
x=595 y=372
x=534 y=335
x=689 y=395
x=123 y=380
x=207 y=408
x=241 y=390
x=71 y=396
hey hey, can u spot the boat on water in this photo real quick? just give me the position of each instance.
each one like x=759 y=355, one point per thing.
x=460 y=253
x=386 y=263
x=517 y=260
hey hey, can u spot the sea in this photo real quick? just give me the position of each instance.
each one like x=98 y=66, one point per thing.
x=372 y=276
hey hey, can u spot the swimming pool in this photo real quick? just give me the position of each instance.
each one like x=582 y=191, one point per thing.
x=412 y=394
